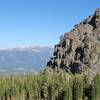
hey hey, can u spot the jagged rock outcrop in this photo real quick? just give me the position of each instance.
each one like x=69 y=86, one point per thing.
x=79 y=49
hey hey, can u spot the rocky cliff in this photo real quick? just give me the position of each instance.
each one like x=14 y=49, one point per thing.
x=79 y=49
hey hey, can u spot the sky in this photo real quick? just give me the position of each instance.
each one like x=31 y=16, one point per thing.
x=40 y=22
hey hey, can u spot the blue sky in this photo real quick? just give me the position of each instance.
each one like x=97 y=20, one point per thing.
x=40 y=22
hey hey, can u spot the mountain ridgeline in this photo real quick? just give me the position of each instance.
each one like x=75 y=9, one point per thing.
x=26 y=59
x=78 y=54
x=79 y=49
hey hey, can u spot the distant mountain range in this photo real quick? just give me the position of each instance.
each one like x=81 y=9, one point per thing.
x=24 y=59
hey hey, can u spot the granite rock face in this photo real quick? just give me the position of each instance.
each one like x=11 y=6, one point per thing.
x=79 y=49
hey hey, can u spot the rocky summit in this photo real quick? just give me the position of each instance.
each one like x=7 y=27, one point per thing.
x=79 y=49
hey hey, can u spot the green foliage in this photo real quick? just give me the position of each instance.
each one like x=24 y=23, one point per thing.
x=50 y=85
x=96 y=88
x=78 y=87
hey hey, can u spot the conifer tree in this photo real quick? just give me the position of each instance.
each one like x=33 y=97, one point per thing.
x=78 y=87
x=96 y=87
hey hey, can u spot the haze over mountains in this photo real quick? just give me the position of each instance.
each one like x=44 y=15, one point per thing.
x=24 y=59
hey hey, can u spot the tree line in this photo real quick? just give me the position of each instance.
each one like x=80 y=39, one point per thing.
x=50 y=85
